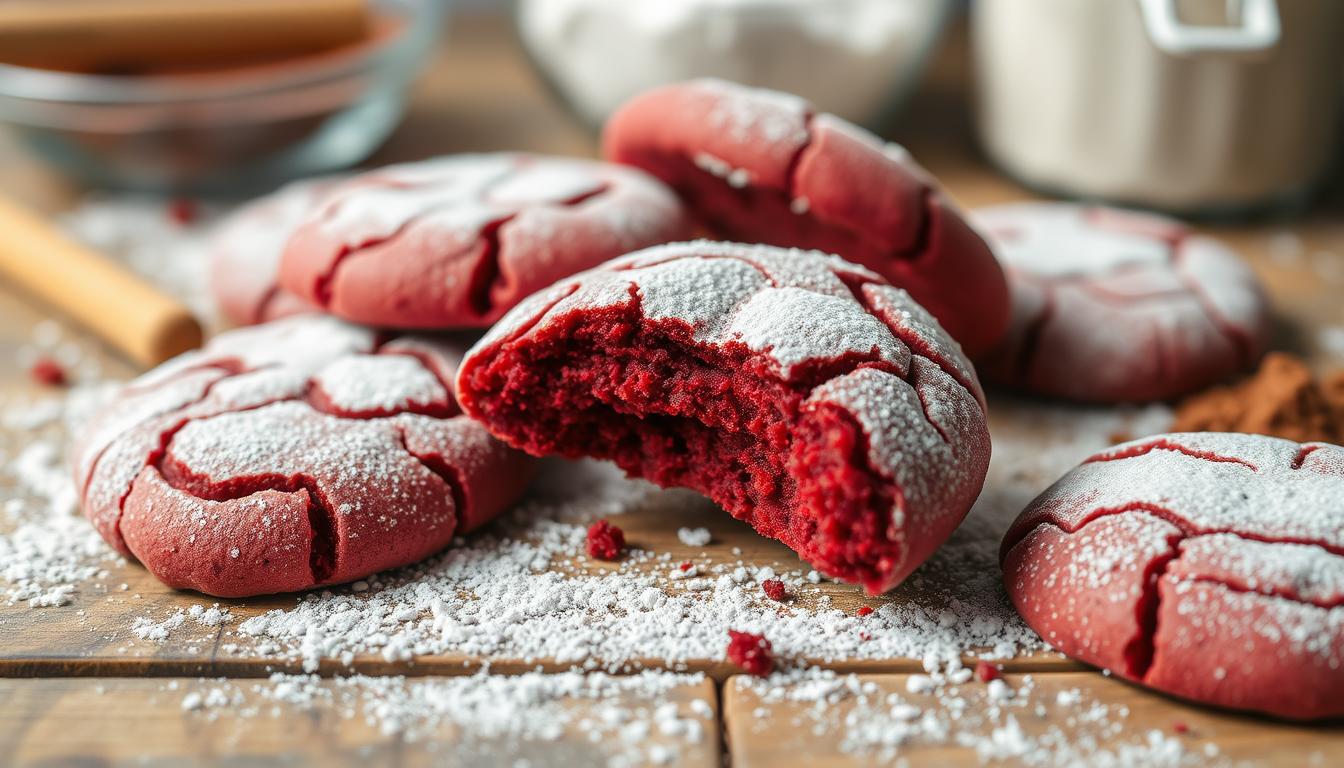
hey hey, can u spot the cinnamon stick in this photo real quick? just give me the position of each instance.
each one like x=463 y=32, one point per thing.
x=122 y=308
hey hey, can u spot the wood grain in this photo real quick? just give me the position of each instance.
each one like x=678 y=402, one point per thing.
x=124 y=722
x=1098 y=716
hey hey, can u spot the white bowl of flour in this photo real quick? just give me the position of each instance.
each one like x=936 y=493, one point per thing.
x=855 y=58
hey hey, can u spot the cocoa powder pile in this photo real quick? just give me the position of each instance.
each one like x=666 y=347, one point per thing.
x=1283 y=398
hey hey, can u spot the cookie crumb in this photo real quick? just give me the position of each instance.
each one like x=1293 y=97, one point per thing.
x=605 y=541
x=183 y=211
x=985 y=672
x=48 y=372
x=774 y=589
x=865 y=610
x=751 y=652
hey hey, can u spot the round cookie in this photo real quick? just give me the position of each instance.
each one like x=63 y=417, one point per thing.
x=456 y=241
x=1113 y=306
x=761 y=166
x=1206 y=565
x=245 y=249
x=802 y=393
x=290 y=455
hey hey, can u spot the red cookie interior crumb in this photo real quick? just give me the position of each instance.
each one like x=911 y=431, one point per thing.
x=751 y=652
x=774 y=589
x=984 y=671
x=865 y=610
x=750 y=410
x=183 y=211
x=47 y=372
x=686 y=566
x=1180 y=726
x=605 y=541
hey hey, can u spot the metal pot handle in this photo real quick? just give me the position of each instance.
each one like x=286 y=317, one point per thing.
x=1255 y=28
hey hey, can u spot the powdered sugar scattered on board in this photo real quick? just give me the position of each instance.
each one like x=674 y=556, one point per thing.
x=47 y=551
x=1022 y=722
x=694 y=537
x=650 y=718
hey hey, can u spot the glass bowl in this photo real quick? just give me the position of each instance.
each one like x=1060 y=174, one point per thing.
x=230 y=130
x=858 y=59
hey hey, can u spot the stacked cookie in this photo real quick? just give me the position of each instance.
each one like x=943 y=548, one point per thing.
x=767 y=305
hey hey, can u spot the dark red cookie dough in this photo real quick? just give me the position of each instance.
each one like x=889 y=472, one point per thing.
x=1114 y=306
x=1206 y=565
x=802 y=393
x=456 y=241
x=290 y=455
x=763 y=167
x=245 y=248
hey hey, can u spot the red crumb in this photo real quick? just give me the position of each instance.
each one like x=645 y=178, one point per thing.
x=183 y=210
x=605 y=541
x=865 y=637
x=47 y=372
x=686 y=566
x=1180 y=727
x=984 y=671
x=750 y=652
x=865 y=610
x=774 y=589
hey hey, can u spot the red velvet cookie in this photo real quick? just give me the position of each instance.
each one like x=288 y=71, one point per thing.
x=1206 y=565
x=245 y=251
x=1113 y=306
x=456 y=241
x=290 y=455
x=802 y=393
x=763 y=167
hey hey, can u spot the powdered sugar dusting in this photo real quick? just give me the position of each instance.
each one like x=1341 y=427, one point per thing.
x=649 y=718
x=245 y=249
x=1110 y=305
x=1230 y=543
x=793 y=325
x=517 y=594
x=756 y=114
x=382 y=383
x=1029 y=720
x=213 y=455
x=1213 y=482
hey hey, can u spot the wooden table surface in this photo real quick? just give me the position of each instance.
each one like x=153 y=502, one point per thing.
x=65 y=666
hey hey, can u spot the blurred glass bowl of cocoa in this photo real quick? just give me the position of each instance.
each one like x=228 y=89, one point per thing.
x=859 y=59
x=212 y=95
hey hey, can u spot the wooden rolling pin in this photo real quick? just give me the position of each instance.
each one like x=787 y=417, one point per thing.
x=103 y=296
x=133 y=35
